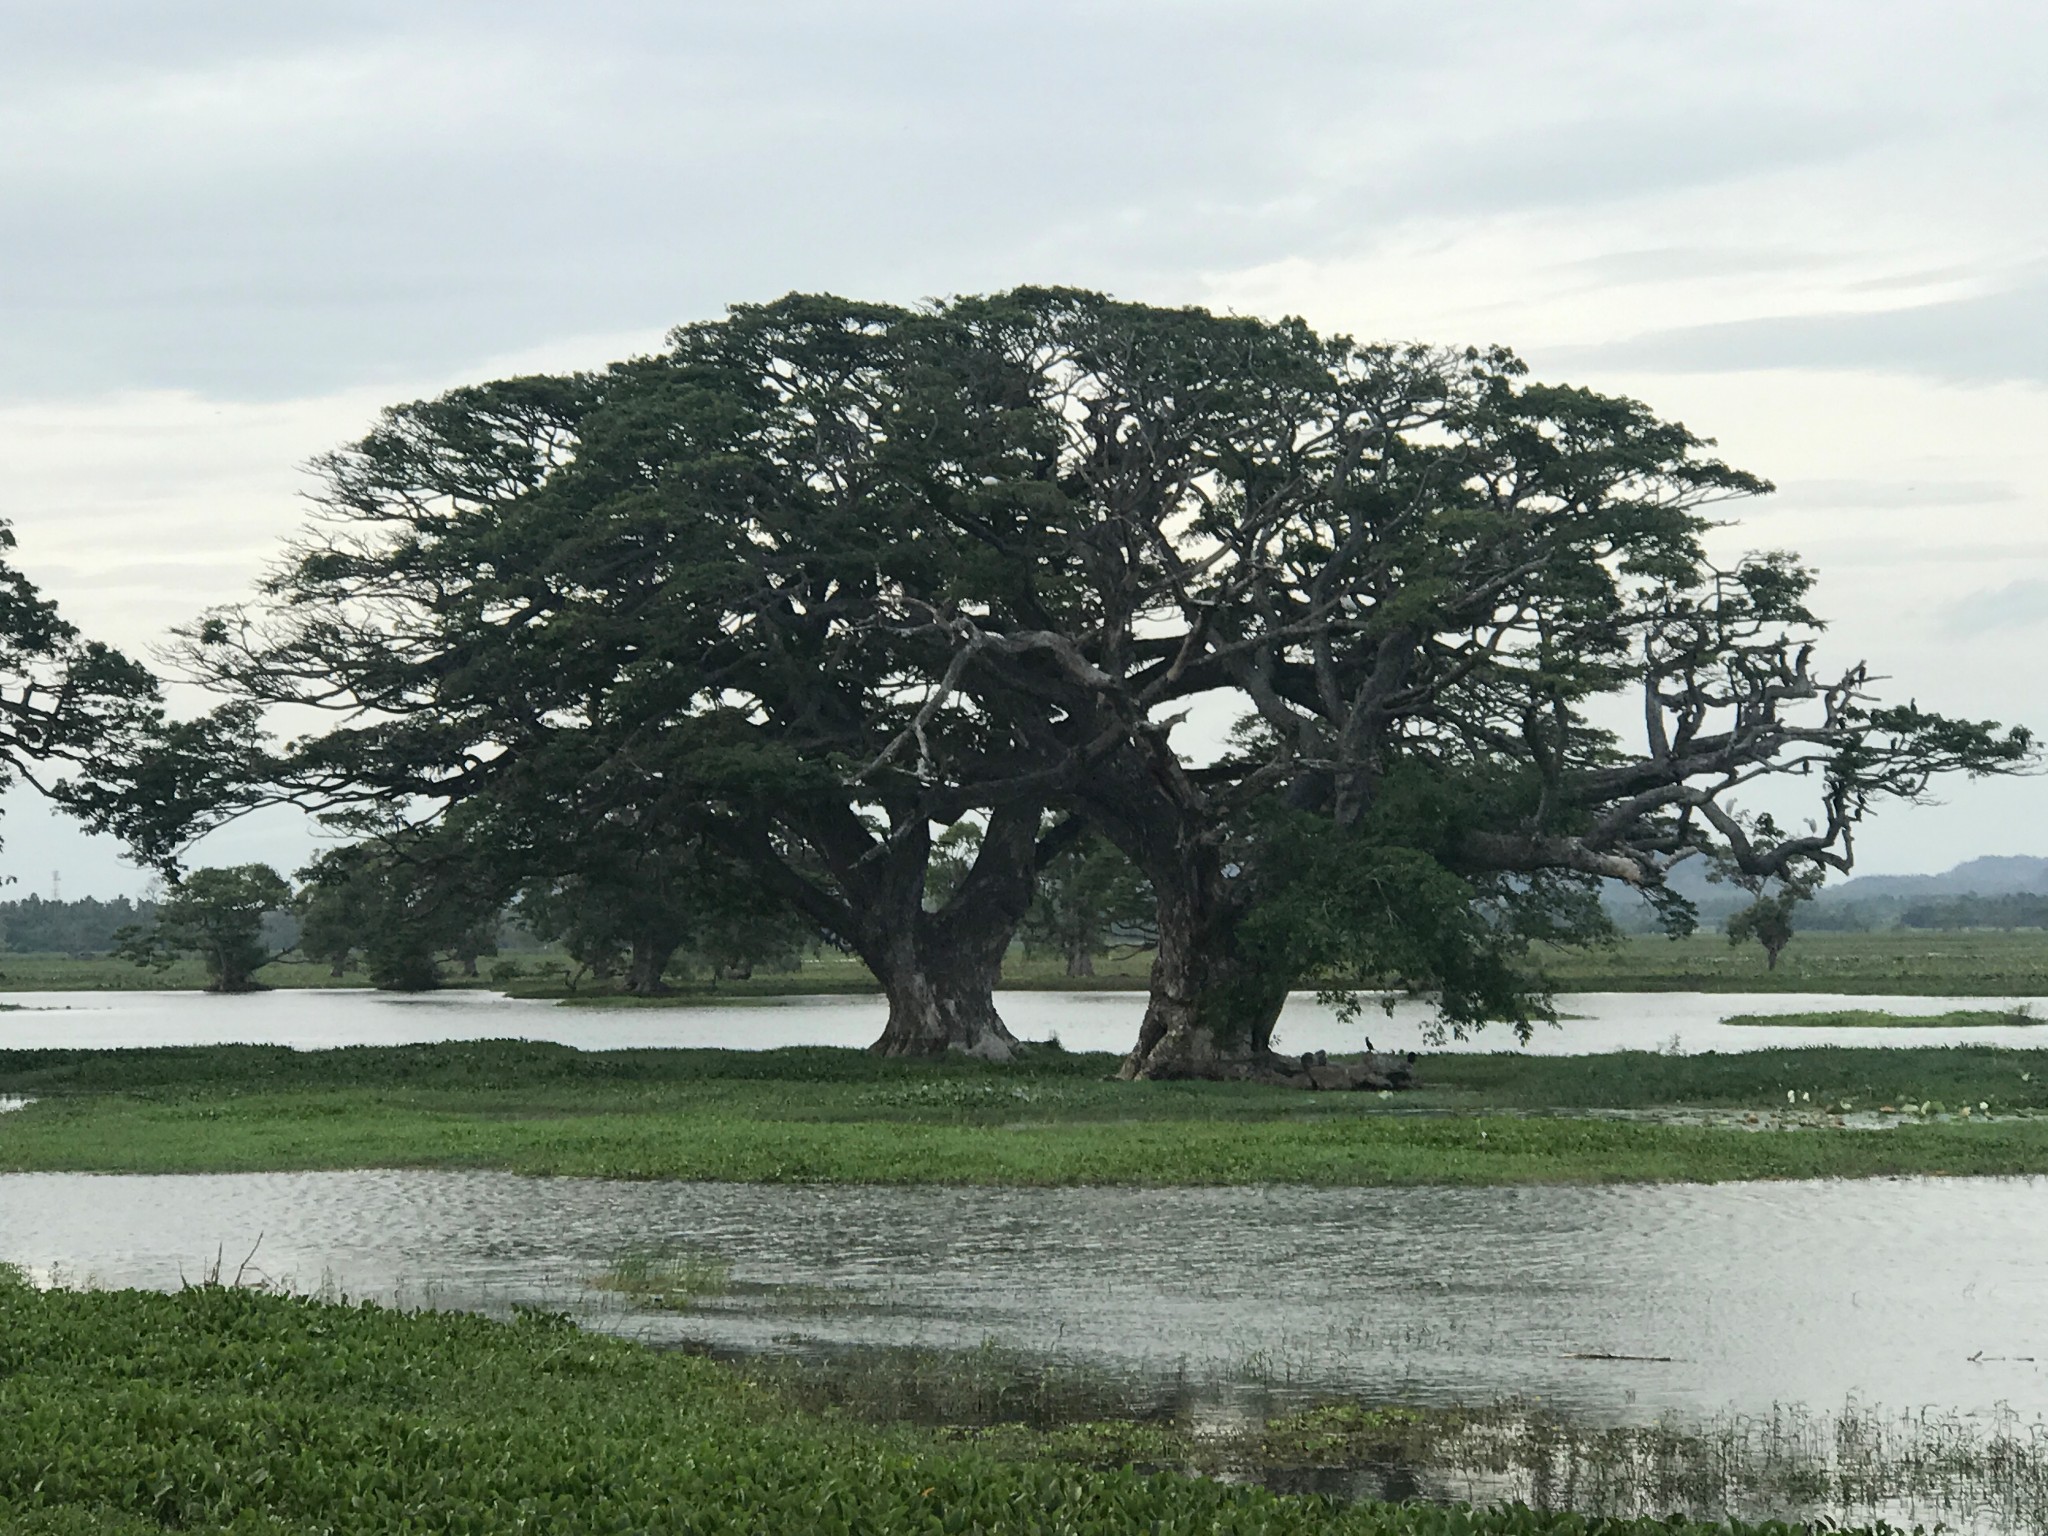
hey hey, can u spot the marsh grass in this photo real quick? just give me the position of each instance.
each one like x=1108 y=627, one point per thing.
x=1858 y=1464
x=666 y=1279
x=1054 y=1118
x=1870 y=1018
x=957 y=1390
x=124 y=1413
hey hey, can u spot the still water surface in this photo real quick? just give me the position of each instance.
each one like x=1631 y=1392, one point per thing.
x=1899 y=1292
x=1091 y=1021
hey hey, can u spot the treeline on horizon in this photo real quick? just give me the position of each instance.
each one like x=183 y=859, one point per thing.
x=88 y=926
x=38 y=925
x=2002 y=912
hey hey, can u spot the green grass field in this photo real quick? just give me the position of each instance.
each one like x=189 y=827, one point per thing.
x=1898 y=962
x=843 y=1116
x=103 y=973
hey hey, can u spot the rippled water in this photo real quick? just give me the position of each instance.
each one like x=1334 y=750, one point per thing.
x=1094 y=1021
x=1618 y=1302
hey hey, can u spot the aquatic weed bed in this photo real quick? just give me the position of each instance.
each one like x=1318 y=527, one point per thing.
x=221 y=1409
x=1054 y=1118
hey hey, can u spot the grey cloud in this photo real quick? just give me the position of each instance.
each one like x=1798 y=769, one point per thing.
x=494 y=177
x=1887 y=494
x=1993 y=337
x=2017 y=605
x=1664 y=263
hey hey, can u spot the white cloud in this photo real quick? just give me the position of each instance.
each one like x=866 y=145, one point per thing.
x=1812 y=232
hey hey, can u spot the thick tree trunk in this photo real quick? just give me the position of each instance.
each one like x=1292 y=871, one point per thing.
x=939 y=1005
x=1081 y=961
x=1212 y=1009
x=649 y=960
x=939 y=969
x=1211 y=1012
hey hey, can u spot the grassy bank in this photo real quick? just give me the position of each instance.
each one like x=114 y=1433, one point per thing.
x=1871 y=1018
x=225 y=1410
x=838 y=1115
x=103 y=973
x=1899 y=962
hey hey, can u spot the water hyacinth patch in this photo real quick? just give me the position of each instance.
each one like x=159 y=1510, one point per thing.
x=231 y=1410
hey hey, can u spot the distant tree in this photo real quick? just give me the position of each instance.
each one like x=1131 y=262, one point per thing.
x=633 y=909
x=732 y=941
x=1087 y=894
x=217 y=915
x=404 y=902
x=332 y=921
x=1769 y=918
x=2008 y=909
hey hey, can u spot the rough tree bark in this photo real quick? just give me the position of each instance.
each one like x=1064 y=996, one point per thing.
x=1211 y=1010
x=648 y=961
x=937 y=969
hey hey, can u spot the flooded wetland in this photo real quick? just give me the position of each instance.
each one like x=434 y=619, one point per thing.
x=1849 y=1348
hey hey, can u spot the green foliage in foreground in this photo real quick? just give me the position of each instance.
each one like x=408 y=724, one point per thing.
x=843 y=1115
x=1871 y=1018
x=225 y=1410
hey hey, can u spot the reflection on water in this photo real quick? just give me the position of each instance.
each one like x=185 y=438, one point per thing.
x=7 y=1104
x=1641 y=1342
x=1084 y=1021
x=1620 y=1302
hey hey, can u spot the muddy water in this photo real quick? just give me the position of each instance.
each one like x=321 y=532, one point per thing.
x=1618 y=1303
x=1093 y=1021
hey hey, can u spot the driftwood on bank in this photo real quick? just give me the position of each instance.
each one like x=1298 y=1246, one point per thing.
x=1374 y=1071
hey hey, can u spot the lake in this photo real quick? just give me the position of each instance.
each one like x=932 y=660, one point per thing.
x=1093 y=1021
x=1619 y=1303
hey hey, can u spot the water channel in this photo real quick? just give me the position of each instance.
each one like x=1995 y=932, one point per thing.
x=1620 y=1302
x=318 y=1018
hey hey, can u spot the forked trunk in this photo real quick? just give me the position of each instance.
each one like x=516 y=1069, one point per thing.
x=940 y=1006
x=940 y=968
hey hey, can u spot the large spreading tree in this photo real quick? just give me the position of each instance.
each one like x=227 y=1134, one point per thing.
x=825 y=577
x=86 y=726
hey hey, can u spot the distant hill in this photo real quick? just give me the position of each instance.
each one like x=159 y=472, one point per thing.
x=1865 y=902
x=1997 y=874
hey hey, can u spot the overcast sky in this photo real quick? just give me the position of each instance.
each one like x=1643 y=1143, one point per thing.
x=1818 y=232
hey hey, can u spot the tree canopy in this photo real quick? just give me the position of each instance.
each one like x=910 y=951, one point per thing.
x=824 y=577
